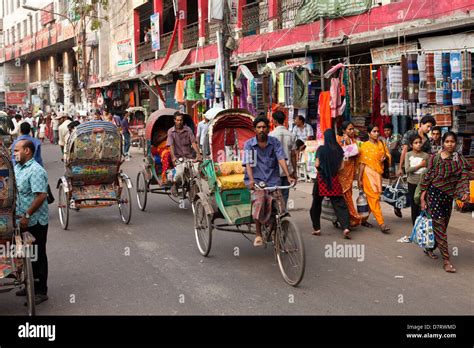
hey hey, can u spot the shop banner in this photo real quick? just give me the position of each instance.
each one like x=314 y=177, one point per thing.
x=155 y=32
x=391 y=53
x=15 y=98
x=312 y=10
x=124 y=52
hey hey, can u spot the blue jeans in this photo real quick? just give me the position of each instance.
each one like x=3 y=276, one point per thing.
x=126 y=143
x=285 y=192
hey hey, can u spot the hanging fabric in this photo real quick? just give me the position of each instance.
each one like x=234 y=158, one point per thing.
x=300 y=88
x=438 y=72
x=179 y=92
x=209 y=85
x=383 y=90
x=324 y=111
x=347 y=110
x=466 y=63
x=456 y=78
x=395 y=102
x=413 y=78
x=404 y=66
x=281 y=88
x=430 y=79
x=422 y=91
x=447 y=93
x=131 y=102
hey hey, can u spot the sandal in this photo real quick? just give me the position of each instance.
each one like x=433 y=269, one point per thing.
x=398 y=212
x=316 y=233
x=346 y=234
x=448 y=267
x=384 y=228
x=258 y=241
x=367 y=224
x=430 y=254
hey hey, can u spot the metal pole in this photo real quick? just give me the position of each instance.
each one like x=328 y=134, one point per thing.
x=226 y=56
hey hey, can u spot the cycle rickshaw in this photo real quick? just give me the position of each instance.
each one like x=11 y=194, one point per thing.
x=6 y=125
x=137 y=120
x=16 y=248
x=156 y=177
x=226 y=197
x=93 y=176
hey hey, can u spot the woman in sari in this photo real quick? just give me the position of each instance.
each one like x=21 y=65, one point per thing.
x=372 y=155
x=161 y=154
x=348 y=172
x=447 y=178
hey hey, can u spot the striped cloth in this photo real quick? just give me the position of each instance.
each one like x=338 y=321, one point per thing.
x=456 y=77
x=404 y=66
x=395 y=102
x=430 y=79
x=422 y=93
x=466 y=71
x=446 y=65
x=438 y=74
x=413 y=78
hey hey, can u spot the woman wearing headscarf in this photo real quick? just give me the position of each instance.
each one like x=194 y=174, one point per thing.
x=348 y=172
x=372 y=154
x=447 y=178
x=329 y=160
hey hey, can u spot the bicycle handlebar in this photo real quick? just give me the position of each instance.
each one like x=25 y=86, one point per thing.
x=274 y=187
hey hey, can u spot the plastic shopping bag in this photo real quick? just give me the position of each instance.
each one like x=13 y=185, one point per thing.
x=422 y=233
x=397 y=195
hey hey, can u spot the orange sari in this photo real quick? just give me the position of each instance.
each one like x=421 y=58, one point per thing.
x=371 y=155
x=346 y=178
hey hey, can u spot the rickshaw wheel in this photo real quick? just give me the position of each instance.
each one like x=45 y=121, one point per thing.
x=125 y=203
x=202 y=228
x=29 y=286
x=142 y=191
x=63 y=206
x=290 y=252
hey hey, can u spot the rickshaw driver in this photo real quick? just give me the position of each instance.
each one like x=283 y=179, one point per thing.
x=181 y=141
x=263 y=157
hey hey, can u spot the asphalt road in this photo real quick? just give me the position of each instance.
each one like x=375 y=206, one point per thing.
x=152 y=266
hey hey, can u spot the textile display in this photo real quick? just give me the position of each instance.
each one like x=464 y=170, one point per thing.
x=430 y=79
x=456 y=77
x=383 y=86
x=179 y=92
x=466 y=71
x=404 y=66
x=281 y=88
x=288 y=83
x=422 y=92
x=347 y=109
x=209 y=85
x=324 y=111
x=438 y=74
x=446 y=65
x=395 y=102
x=300 y=88
x=413 y=78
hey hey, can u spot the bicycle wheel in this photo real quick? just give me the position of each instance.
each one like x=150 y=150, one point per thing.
x=29 y=286
x=290 y=252
x=125 y=203
x=63 y=207
x=202 y=228
x=142 y=191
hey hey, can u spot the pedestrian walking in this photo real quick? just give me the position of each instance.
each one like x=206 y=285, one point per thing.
x=329 y=161
x=348 y=173
x=55 y=126
x=447 y=178
x=63 y=130
x=373 y=153
x=42 y=130
x=32 y=206
x=126 y=135
x=416 y=163
x=288 y=143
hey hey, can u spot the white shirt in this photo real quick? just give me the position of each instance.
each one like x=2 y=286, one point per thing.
x=202 y=131
x=63 y=130
x=55 y=124
x=30 y=121
x=304 y=133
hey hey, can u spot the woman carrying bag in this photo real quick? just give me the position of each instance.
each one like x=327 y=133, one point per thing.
x=373 y=153
x=329 y=160
x=447 y=178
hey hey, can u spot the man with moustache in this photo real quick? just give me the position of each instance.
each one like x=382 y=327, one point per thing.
x=263 y=156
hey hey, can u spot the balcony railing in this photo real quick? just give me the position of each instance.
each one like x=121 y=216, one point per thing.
x=288 y=11
x=144 y=51
x=191 y=35
x=251 y=19
x=211 y=30
x=263 y=16
x=165 y=42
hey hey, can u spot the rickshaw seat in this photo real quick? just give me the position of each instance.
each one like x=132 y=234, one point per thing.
x=232 y=181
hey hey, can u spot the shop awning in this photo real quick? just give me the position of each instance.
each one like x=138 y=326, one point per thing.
x=448 y=42
x=176 y=60
x=104 y=83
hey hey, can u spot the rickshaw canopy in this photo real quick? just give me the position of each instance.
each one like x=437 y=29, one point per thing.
x=163 y=119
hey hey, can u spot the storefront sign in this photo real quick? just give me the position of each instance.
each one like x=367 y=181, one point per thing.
x=47 y=15
x=15 y=98
x=124 y=52
x=392 y=53
x=155 y=32
x=307 y=62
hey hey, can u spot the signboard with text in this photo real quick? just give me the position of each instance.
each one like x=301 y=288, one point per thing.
x=155 y=32
x=15 y=98
x=124 y=52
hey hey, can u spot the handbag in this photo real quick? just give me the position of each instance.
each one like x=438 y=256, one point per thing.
x=350 y=150
x=422 y=233
x=397 y=195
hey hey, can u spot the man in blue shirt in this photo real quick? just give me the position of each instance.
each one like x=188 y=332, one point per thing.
x=25 y=130
x=32 y=206
x=263 y=157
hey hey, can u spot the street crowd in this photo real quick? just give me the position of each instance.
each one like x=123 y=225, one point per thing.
x=431 y=163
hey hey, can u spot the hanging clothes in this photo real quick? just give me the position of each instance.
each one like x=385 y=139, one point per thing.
x=131 y=101
x=430 y=79
x=446 y=66
x=281 y=88
x=191 y=92
x=466 y=63
x=438 y=73
x=456 y=77
x=335 y=93
x=413 y=78
x=300 y=88
x=365 y=89
x=383 y=89
x=404 y=67
x=209 y=85
x=422 y=92
x=395 y=102
x=179 y=92
x=288 y=83
x=324 y=111
x=347 y=109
